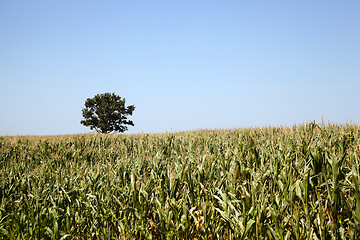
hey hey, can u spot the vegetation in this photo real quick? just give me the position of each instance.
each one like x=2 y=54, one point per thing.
x=107 y=113
x=298 y=182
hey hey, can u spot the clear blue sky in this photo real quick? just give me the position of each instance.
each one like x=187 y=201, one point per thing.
x=184 y=64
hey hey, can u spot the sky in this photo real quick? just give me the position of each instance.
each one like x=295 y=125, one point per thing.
x=185 y=65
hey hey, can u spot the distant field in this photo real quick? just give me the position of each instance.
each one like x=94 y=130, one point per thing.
x=298 y=182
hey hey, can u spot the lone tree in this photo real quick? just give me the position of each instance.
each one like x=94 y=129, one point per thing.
x=107 y=113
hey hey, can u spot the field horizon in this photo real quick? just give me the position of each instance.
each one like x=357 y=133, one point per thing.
x=322 y=124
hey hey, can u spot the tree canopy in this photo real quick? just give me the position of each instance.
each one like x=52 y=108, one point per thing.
x=107 y=113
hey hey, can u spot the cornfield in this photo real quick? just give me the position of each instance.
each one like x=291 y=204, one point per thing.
x=299 y=182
